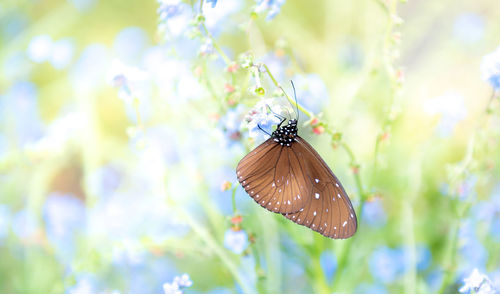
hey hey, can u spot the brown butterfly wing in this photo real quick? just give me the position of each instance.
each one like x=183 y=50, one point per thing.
x=330 y=211
x=274 y=176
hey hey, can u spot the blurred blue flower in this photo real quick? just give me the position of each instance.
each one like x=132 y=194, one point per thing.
x=175 y=17
x=451 y=109
x=212 y=2
x=478 y=283
x=128 y=252
x=5 y=216
x=236 y=241
x=22 y=98
x=85 y=284
x=83 y=5
x=374 y=214
x=351 y=55
x=183 y=281
x=62 y=53
x=272 y=7
x=434 y=280
x=40 y=48
x=473 y=252
x=370 y=289
x=490 y=68
x=12 y=24
x=64 y=217
x=105 y=180
x=387 y=264
x=24 y=224
x=469 y=28
x=179 y=283
x=312 y=92
x=171 y=288
x=495 y=229
x=217 y=18
x=130 y=43
x=328 y=262
x=16 y=66
x=89 y=72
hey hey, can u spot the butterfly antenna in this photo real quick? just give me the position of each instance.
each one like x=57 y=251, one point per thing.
x=263 y=130
x=296 y=103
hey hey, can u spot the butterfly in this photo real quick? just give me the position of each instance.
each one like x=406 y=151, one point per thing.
x=286 y=175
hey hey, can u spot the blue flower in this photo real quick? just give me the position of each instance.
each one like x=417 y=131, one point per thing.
x=62 y=53
x=478 y=283
x=451 y=109
x=272 y=7
x=104 y=180
x=374 y=213
x=236 y=241
x=89 y=72
x=490 y=68
x=387 y=264
x=5 y=216
x=328 y=262
x=22 y=97
x=469 y=28
x=263 y=118
x=312 y=92
x=85 y=284
x=83 y=5
x=40 y=48
x=179 y=283
x=64 y=217
x=213 y=2
x=130 y=43
x=175 y=17
x=24 y=224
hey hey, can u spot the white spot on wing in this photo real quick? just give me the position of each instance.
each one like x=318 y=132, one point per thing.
x=338 y=195
x=345 y=223
x=316 y=195
x=337 y=184
x=314 y=213
x=317 y=180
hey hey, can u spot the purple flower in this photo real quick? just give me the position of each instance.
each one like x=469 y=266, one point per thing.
x=490 y=68
x=272 y=7
x=236 y=241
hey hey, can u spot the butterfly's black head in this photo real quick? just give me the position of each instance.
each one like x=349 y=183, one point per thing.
x=285 y=135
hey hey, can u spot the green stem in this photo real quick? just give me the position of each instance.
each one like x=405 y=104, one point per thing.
x=233 y=196
x=214 y=246
x=226 y=59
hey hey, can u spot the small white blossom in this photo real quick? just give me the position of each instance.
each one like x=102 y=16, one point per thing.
x=477 y=282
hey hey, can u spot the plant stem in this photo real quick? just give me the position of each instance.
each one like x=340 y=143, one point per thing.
x=226 y=59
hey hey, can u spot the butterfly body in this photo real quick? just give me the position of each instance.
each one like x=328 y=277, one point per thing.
x=286 y=175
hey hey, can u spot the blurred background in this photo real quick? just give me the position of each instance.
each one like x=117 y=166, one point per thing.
x=122 y=122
